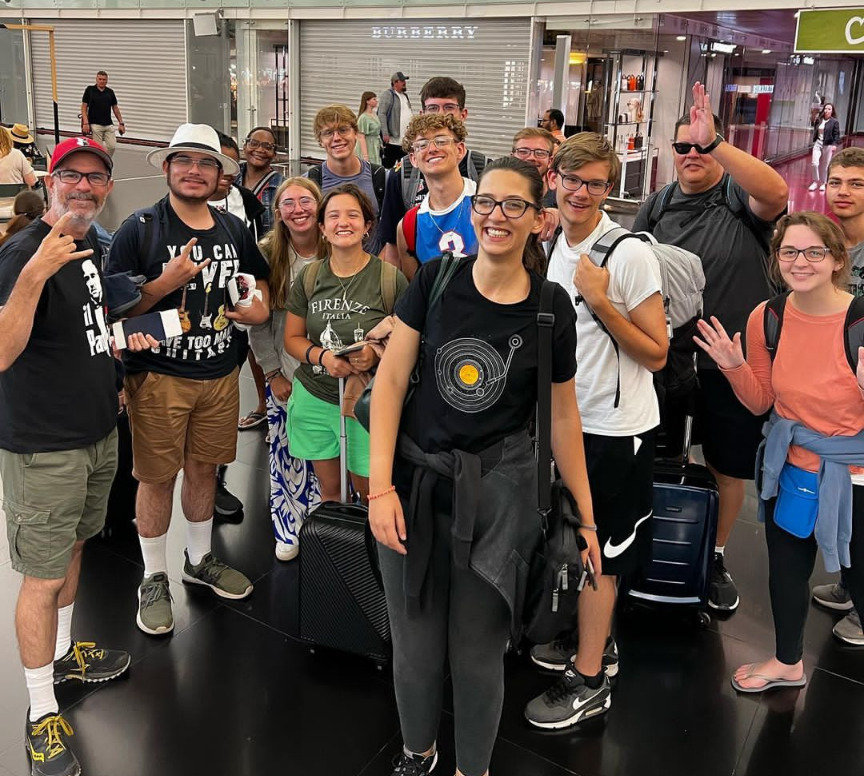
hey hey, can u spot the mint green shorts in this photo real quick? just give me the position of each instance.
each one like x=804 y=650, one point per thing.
x=313 y=431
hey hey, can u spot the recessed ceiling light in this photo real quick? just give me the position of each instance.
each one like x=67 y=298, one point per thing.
x=681 y=37
x=766 y=51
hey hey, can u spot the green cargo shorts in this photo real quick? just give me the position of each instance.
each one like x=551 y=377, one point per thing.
x=52 y=500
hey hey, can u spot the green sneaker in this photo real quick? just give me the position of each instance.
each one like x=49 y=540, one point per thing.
x=88 y=663
x=154 y=605
x=221 y=579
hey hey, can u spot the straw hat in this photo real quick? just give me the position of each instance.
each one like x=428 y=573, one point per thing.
x=200 y=138
x=21 y=134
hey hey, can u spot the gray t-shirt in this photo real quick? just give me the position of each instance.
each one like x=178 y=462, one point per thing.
x=339 y=312
x=363 y=180
x=719 y=227
x=856 y=256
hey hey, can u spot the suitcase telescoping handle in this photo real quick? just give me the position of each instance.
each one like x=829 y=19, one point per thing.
x=688 y=420
x=343 y=447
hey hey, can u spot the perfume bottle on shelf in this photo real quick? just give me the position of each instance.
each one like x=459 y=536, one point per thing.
x=640 y=81
x=631 y=82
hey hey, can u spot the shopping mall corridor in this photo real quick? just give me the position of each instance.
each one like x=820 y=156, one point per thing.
x=235 y=693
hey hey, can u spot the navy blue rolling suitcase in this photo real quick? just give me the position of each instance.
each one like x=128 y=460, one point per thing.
x=684 y=532
x=342 y=603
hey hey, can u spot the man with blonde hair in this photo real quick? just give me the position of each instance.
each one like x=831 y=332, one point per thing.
x=336 y=129
x=621 y=339
x=442 y=221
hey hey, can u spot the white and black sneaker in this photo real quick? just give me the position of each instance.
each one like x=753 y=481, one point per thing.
x=405 y=764
x=555 y=656
x=568 y=702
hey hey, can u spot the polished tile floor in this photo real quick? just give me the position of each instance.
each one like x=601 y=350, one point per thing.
x=234 y=693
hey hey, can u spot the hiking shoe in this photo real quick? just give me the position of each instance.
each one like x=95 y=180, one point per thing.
x=220 y=578
x=45 y=741
x=722 y=594
x=414 y=764
x=556 y=655
x=568 y=702
x=849 y=629
x=88 y=663
x=154 y=605
x=834 y=596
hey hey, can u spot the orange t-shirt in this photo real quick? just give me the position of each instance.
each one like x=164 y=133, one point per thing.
x=810 y=380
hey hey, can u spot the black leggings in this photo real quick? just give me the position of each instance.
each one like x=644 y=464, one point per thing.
x=790 y=564
x=466 y=618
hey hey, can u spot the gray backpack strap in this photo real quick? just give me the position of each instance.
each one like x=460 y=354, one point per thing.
x=410 y=183
x=602 y=249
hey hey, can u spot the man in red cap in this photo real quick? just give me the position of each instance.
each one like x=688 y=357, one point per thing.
x=57 y=467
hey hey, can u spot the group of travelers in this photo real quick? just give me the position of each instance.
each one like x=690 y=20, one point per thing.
x=431 y=277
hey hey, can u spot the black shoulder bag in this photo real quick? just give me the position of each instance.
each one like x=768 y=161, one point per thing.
x=556 y=572
x=363 y=405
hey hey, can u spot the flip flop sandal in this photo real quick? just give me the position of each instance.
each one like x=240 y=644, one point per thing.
x=252 y=420
x=770 y=683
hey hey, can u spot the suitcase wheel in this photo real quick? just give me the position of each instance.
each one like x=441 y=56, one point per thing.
x=704 y=619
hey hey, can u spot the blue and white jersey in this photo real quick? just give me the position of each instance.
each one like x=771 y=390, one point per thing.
x=446 y=230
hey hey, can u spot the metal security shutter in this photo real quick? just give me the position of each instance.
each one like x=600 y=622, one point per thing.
x=146 y=66
x=489 y=57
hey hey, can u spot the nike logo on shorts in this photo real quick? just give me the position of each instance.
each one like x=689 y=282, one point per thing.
x=614 y=550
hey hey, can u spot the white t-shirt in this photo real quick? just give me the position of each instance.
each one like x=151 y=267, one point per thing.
x=634 y=275
x=13 y=167
x=232 y=204
x=404 y=117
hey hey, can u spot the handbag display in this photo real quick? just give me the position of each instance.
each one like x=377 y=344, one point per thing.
x=363 y=405
x=556 y=573
x=797 y=505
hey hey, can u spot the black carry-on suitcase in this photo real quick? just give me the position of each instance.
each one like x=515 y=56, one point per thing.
x=124 y=489
x=684 y=532
x=342 y=602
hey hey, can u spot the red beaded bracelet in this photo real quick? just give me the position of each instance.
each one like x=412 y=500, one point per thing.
x=373 y=496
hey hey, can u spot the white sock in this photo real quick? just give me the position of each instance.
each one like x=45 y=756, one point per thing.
x=64 y=631
x=720 y=550
x=153 y=553
x=409 y=753
x=40 y=686
x=198 y=536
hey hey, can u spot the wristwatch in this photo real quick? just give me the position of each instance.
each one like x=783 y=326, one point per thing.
x=716 y=142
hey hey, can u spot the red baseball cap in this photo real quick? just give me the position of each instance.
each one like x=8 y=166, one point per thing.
x=73 y=145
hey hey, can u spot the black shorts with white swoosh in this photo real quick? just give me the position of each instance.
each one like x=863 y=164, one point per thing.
x=620 y=473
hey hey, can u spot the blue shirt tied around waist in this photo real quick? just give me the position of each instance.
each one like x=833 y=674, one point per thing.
x=837 y=454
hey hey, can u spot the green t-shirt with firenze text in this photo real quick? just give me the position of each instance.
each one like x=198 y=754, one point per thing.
x=340 y=311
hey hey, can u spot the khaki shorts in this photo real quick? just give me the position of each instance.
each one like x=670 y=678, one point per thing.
x=173 y=418
x=52 y=500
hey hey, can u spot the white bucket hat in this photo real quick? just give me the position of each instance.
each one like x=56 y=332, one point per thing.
x=199 y=138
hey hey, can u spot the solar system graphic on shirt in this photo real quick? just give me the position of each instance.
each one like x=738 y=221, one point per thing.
x=471 y=374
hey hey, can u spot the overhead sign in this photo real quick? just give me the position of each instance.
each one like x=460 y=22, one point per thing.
x=830 y=31
x=424 y=32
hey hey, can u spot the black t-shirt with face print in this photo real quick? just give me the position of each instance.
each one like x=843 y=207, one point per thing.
x=479 y=375
x=207 y=349
x=60 y=393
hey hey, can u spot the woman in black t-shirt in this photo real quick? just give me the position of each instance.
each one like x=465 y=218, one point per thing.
x=457 y=528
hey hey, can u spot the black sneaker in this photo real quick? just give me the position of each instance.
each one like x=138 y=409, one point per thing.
x=414 y=764
x=568 y=702
x=722 y=595
x=555 y=656
x=45 y=741
x=226 y=505
x=88 y=663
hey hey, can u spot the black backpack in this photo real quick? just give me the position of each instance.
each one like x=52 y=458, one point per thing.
x=721 y=197
x=410 y=176
x=379 y=180
x=853 y=327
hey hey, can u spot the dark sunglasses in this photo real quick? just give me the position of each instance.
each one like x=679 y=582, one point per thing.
x=684 y=148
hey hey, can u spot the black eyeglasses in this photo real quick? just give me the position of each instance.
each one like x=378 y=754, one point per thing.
x=73 y=176
x=574 y=183
x=512 y=207
x=253 y=144
x=684 y=148
x=527 y=153
x=813 y=254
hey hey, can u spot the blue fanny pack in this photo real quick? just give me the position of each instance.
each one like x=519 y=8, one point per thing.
x=797 y=504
